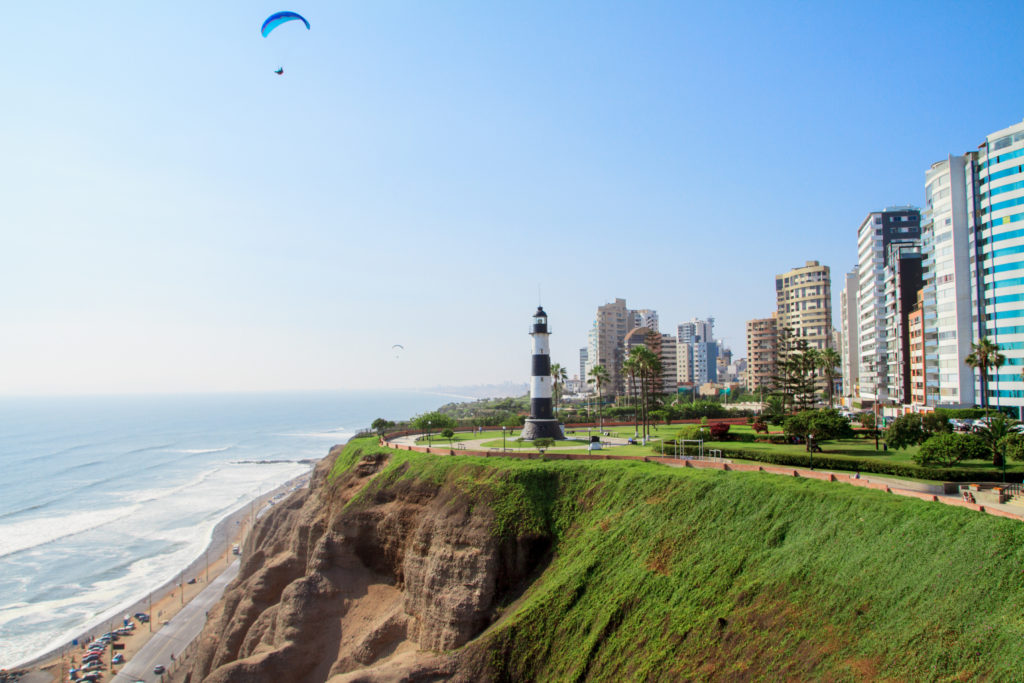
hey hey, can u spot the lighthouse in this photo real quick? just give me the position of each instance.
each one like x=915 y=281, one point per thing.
x=541 y=422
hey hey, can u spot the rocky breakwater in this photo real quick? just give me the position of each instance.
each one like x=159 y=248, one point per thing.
x=366 y=575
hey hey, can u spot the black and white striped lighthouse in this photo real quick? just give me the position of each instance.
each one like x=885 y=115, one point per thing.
x=541 y=422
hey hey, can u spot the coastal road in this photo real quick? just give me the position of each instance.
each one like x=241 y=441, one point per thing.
x=181 y=630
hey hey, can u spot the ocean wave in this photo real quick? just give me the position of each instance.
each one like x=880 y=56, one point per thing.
x=18 y=536
x=328 y=434
x=200 y=451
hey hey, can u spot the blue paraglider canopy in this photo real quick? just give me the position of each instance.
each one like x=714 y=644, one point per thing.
x=278 y=18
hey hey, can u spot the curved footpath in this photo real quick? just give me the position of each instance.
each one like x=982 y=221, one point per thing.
x=900 y=487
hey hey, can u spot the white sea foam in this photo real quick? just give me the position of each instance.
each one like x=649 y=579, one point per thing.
x=200 y=451
x=18 y=536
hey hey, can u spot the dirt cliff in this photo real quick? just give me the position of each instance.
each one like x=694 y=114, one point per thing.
x=349 y=581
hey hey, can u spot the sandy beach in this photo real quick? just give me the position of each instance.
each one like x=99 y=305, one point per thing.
x=165 y=601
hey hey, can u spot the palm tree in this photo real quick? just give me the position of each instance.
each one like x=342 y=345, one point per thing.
x=630 y=367
x=649 y=366
x=599 y=378
x=559 y=376
x=828 y=361
x=984 y=355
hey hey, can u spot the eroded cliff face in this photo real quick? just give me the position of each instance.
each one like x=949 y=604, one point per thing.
x=376 y=590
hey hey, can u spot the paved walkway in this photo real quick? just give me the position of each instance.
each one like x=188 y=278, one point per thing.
x=478 y=444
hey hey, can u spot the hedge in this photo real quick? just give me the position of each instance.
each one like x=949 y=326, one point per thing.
x=869 y=466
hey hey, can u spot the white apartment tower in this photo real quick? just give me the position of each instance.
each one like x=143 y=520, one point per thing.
x=849 y=348
x=947 y=242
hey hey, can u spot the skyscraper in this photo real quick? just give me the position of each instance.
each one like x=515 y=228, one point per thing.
x=804 y=301
x=948 y=308
x=849 y=348
x=878 y=230
x=762 y=338
x=702 y=353
x=998 y=213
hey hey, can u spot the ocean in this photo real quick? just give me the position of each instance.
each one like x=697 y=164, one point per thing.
x=104 y=499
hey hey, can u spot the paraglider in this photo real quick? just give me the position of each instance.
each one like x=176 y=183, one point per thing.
x=278 y=18
x=275 y=20
x=396 y=348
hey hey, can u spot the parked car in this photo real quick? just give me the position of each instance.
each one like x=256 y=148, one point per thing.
x=118 y=659
x=159 y=669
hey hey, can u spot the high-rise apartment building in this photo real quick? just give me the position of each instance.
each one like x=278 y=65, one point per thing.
x=684 y=364
x=998 y=218
x=669 y=358
x=804 y=300
x=902 y=282
x=915 y=324
x=878 y=230
x=583 y=365
x=703 y=352
x=762 y=338
x=645 y=317
x=849 y=349
x=605 y=341
x=950 y=285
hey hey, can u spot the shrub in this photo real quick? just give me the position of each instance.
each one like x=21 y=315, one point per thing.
x=906 y=430
x=949 y=449
x=720 y=431
x=870 y=465
x=760 y=427
x=1012 y=446
x=867 y=420
x=692 y=432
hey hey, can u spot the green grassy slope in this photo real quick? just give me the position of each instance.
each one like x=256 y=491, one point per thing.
x=667 y=574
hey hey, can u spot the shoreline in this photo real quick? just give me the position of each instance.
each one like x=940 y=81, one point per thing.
x=231 y=529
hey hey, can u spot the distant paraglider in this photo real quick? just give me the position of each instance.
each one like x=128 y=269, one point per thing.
x=397 y=349
x=275 y=20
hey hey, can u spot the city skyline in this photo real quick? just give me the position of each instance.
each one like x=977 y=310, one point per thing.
x=178 y=218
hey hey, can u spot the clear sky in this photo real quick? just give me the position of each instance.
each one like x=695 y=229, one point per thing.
x=176 y=217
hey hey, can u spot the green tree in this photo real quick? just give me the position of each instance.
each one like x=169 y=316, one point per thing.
x=630 y=366
x=433 y=422
x=599 y=378
x=828 y=362
x=380 y=425
x=1012 y=446
x=867 y=420
x=449 y=434
x=984 y=355
x=823 y=425
x=775 y=409
x=948 y=449
x=543 y=443
x=559 y=376
x=905 y=431
x=935 y=423
x=992 y=433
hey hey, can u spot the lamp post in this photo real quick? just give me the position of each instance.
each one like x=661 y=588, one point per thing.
x=502 y=438
x=428 y=434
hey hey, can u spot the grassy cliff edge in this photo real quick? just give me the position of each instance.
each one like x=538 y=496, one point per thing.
x=661 y=573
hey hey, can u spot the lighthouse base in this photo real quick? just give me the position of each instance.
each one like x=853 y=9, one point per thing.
x=540 y=429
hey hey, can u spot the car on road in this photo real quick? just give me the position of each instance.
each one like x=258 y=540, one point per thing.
x=118 y=659
x=159 y=669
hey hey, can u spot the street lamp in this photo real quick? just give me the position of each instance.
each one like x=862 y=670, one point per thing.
x=428 y=434
x=502 y=438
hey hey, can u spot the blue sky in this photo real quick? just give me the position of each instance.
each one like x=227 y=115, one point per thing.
x=178 y=218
